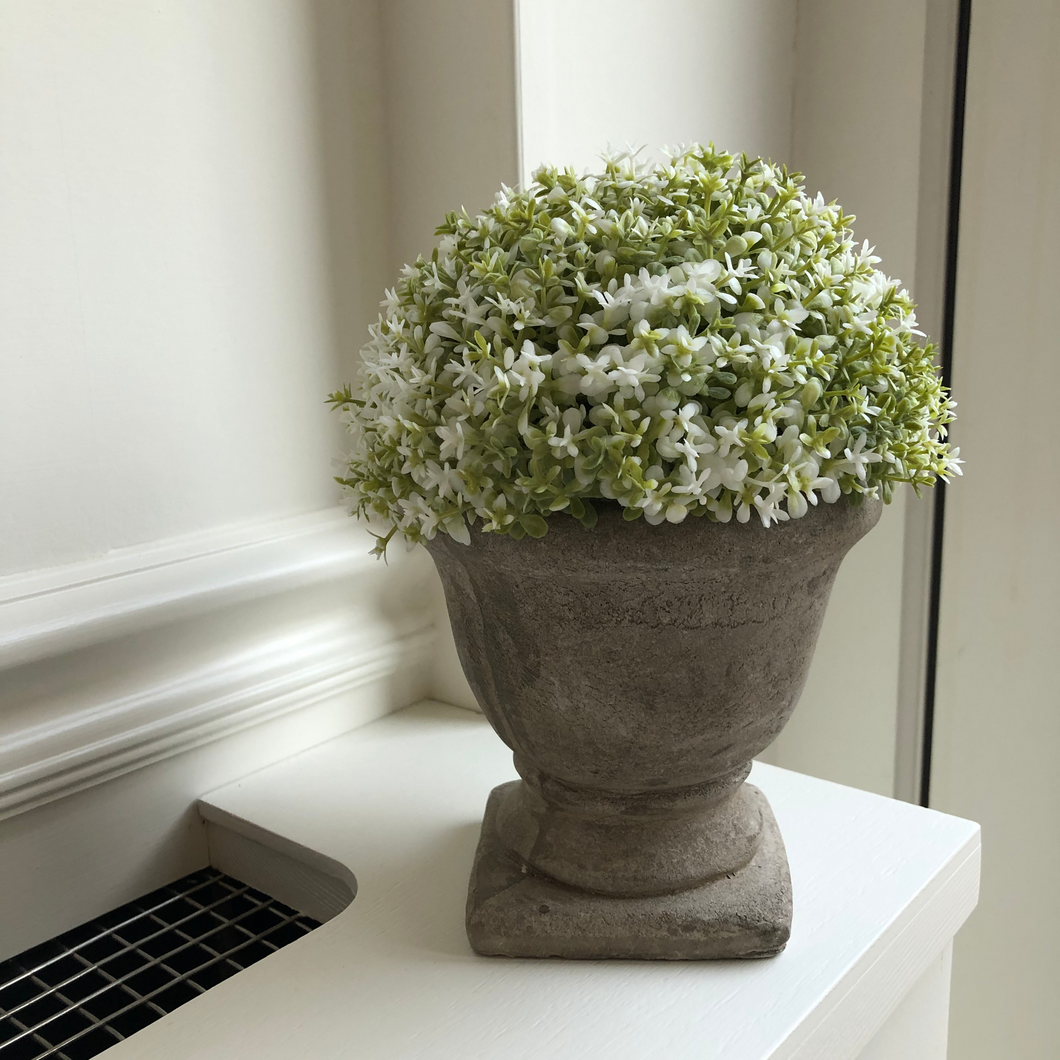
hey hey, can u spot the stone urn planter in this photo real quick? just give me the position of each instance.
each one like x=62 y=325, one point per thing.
x=635 y=671
x=691 y=338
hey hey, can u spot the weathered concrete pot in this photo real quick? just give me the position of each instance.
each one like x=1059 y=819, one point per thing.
x=635 y=671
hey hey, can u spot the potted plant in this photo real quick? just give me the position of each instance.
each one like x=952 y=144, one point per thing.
x=638 y=419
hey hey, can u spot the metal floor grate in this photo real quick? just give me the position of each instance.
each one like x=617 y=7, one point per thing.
x=74 y=996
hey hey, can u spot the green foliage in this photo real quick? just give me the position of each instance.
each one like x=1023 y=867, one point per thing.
x=701 y=337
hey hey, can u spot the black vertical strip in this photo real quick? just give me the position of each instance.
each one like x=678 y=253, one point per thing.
x=960 y=87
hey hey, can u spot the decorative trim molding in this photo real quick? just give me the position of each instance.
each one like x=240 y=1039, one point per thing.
x=87 y=717
x=105 y=740
x=46 y=613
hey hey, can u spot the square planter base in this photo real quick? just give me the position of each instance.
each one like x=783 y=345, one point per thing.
x=512 y=912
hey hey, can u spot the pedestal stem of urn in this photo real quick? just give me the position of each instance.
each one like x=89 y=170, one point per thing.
x=630 y=844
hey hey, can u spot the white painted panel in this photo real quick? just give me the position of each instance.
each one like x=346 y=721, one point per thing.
x=879 y=889
x=108 y=664
x=189 y=235
x=998 y=705
x=918 y=1028
x=131 y=683
x=67 y=861
x=606 y=73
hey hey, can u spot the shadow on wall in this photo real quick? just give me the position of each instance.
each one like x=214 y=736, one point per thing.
x=395 y=156
x=347 y=61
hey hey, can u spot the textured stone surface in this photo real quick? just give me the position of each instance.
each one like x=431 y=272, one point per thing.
x=635 y=671
x=517 y=913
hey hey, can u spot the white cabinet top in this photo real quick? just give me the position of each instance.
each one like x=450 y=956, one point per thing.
x=880 y=887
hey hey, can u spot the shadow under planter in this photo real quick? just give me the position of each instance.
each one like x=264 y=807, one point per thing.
x=635 y=671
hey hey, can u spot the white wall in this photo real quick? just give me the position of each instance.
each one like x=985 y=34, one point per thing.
x=169 y=324
x=856 y=135
x=998 y=708
x=195 y=232
x=452 y=127
x=610 y=73
x=860 y=144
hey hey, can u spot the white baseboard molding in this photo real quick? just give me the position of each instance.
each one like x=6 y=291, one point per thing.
x=111 y=665
x=105 y=740
x=49 y=612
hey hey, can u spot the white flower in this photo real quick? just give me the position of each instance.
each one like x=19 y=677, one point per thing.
x=653 y=289
x=453 y=440
x=791 y=313
x=681 y=346
x=759 y=370
x=728 y=435
x=416 y=513
x=596 y=374
x=856 y=460
x=525 y=372
x=565 y=444
x=732 y=474
x=700 y=275
x=437 y=477
x=467 y=305
x=631 y=376
x=828 y=484
x=615 y=297
x=769 y=504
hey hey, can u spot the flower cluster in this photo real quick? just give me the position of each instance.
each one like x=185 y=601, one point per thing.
x=701 y=337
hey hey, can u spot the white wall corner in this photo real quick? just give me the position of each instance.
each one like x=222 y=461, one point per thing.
x=448 y=683
x=452 y=133
x=696 y=100
x=452 y=140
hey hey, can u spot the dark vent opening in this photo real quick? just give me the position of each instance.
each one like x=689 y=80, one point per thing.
x=76 y=995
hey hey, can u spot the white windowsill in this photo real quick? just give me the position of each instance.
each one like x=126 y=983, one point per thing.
x=880 y=889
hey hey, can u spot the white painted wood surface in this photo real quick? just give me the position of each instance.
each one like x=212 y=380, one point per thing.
x=918 y=1029
x=131 y=683
x=880 y=889
x=114 y=663
x=48 y=612
x=191 y=246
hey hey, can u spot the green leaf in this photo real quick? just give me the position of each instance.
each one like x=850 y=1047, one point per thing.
x=534 y=525
x=589 y=517
x=486 y=395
